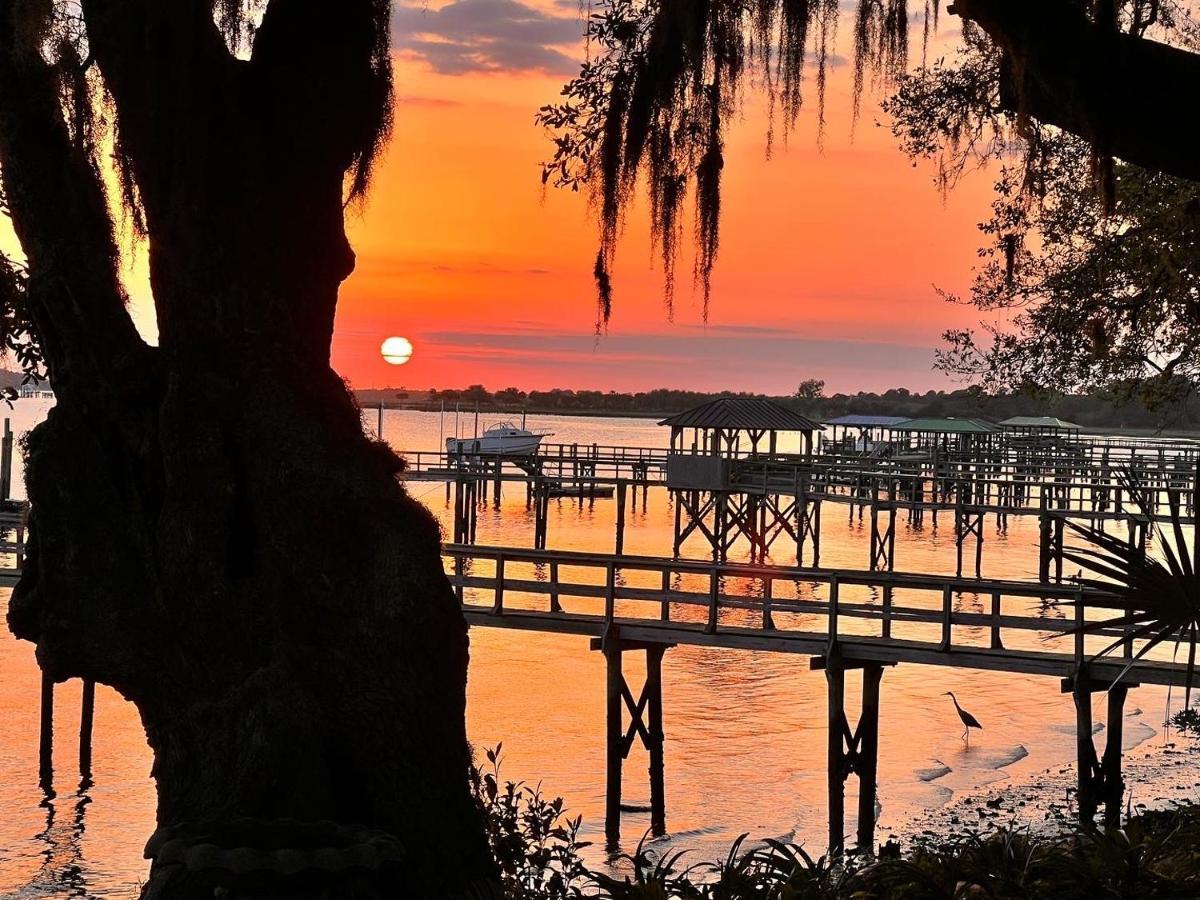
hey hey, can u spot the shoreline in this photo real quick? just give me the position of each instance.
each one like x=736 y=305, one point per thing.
x=1159 y=774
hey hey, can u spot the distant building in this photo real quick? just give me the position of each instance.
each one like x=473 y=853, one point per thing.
x=36 y=391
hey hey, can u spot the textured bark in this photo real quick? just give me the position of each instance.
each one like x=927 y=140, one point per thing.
x=212 y=533
x=1130 y=97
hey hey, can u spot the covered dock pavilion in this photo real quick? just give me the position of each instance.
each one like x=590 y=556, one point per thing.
x=717 y=427
x=1040 y=426
x=868 y=430
x=946 y=433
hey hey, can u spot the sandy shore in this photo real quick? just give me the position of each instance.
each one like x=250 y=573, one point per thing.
x=1159 y=772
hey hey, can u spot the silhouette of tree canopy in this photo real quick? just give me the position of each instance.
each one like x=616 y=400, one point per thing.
x=302 y=686
x=1086 y=288
x=664 y=77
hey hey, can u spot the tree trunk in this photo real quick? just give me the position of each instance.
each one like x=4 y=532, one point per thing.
x=1127 y=95
x=212 y=533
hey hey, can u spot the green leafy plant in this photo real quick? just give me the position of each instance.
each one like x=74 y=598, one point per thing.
x=1158 y=600
x=535 y=845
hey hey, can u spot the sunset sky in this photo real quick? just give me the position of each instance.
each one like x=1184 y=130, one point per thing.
x=826 y=270
x=827 y=265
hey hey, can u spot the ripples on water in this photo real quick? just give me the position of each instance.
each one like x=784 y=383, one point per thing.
x=745 y=732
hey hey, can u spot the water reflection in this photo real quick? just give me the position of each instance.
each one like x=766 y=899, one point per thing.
x=62 y=873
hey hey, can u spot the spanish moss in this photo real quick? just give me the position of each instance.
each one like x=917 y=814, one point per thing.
x=655 y=96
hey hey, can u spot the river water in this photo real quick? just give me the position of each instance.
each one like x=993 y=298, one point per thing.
x=745 y=732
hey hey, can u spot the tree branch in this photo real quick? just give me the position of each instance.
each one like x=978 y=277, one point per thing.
x=1121 y=93
x=60 y=214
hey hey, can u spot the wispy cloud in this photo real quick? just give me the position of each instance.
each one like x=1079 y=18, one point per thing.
x=487 y=36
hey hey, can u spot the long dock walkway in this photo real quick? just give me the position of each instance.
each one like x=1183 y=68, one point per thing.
x=841 y=619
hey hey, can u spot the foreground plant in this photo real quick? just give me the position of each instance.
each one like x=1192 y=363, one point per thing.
x=1156 y=854
x=1159 y=601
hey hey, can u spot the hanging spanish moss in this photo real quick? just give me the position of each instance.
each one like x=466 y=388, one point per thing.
x=666 y=77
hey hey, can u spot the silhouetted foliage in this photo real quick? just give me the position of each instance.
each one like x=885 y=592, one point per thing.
x=1152 y=856
x=663 y=79
x=1086 y=288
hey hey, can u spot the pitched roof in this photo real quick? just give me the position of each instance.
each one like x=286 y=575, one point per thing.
x=867 y=421
x=948 y=425
x=742 y=414
x=1039 y=422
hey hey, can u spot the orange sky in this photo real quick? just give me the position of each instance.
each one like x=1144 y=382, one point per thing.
x=827 y=263
x=826 y=266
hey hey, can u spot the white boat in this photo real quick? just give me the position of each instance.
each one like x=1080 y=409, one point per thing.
x=503 y=438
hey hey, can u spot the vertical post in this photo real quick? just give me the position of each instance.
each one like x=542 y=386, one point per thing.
x=947 y=618
x=1114 y=783
x=87 y=712
x=555 y=603
x=665 y=604
x=997 y=643
x=6 y=461
x=498 y=605
x=654 y=702
x=714 y=598
x=1085 y=750
x=610 y=592
x=379 y=426
x=835 y=678
x=620 y=545
x=613 y=741
x=46 y=738
x=868 y=757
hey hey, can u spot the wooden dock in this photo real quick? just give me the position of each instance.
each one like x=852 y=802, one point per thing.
x=841 y=619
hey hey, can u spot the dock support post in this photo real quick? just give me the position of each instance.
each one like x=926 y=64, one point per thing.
x=46 y=736
x=620 y=543
x=852 y=751
x=645 y=716
x=87 y=713
x=868 y=758
x=835 y=677
x=6 y=461
x=1099 y=780
x=654 y=713
x=614 y=682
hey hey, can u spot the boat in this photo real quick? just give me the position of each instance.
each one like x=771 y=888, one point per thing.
x=501 y=439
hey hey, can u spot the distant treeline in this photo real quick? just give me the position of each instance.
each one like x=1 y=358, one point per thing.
x=1113 y=409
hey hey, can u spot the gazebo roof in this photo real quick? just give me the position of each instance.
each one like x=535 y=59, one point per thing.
x=1039 y=422
x=948 y=425
x=742 y=414
x=855 y=420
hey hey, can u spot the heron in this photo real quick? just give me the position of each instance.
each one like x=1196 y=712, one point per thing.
x=968 y=720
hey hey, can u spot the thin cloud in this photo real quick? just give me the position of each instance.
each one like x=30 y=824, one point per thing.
x=471 y=36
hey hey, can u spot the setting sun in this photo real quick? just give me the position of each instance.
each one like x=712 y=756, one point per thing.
x=396 y=350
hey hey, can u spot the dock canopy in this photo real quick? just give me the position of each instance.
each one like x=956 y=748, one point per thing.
x=719 y=424
x=857 y=421
x=948 y=425
x=860 y=435
x=1038 y=423
x=949 y=433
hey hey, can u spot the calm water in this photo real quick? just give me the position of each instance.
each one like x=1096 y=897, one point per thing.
x=745 y=731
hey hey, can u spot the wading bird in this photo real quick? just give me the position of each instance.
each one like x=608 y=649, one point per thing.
x=968 y=720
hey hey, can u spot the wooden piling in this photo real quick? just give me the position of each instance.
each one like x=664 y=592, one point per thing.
x=654 y=711
x=87 y=712
x=613 y=741
x=46 y=736
x=6 y=462
x=620 y=540
x=835 y=678
x=867 y=759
